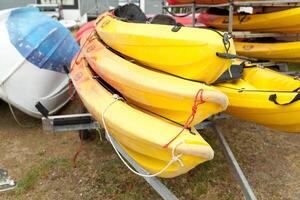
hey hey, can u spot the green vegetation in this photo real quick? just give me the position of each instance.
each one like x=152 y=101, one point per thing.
x=37 y=172
x=294 y=67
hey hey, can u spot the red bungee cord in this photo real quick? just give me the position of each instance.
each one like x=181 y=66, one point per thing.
x=197 y=101
x=74 y=159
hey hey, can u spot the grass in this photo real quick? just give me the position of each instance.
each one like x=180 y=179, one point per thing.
x=109 y=179
x=208 y=177
x=37 y=172
x=294 y=67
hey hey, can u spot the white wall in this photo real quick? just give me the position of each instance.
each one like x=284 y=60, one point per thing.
x=71 y=14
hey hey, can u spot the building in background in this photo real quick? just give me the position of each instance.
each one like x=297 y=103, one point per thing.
x=5 y=4
x=79 y=10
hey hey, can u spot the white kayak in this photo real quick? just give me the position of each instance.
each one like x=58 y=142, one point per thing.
x=33 y=52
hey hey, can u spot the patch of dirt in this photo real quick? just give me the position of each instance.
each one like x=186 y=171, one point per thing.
x=270 y=161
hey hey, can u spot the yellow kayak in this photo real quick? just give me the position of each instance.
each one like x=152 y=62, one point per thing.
x=281 y=51
x=189 y=52
x=142 y=135
x=286 y=21
x=265 y=97
x=160 y=93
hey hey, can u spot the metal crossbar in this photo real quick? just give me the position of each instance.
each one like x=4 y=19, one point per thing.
x=85 y=121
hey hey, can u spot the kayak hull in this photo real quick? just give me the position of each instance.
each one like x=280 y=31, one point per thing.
x=285 y=21
x=249 y=99
x=189 y=52
x=159 y=93
x=34 y=51
x=138 y=132
x=281 y=51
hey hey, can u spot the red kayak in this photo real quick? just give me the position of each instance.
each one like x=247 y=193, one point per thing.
x=86 y=27
x=188 y=20
x=177 y=2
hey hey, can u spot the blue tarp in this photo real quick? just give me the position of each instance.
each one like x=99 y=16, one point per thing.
x=41 y=40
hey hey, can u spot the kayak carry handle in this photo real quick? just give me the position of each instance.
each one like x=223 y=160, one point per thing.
x=234 y=56
x=177 y=27
x=273 y=98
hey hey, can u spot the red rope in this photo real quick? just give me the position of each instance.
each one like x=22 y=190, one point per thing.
x=197 y=101
x=70 y=91
x=74 y=159
x=71 y=96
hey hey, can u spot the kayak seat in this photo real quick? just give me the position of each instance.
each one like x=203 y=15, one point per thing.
x=235 y=72
x=163 y=19
x=131 y=12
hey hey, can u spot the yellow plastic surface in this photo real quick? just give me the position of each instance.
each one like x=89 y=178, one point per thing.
x=142 y=135
x=157 y=92
x=286 y=21
x=255 y=105
x=189 y=52
x=282 y=51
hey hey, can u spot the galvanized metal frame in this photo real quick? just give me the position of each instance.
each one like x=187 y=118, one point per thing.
x=162 y=190
x=231 y=4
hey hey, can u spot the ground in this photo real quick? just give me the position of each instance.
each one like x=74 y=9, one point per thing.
x=42 y=164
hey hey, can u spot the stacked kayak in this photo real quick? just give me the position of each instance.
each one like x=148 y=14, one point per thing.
x=280 y=21
x=34 y=50
x=265 y=97
x=278 y=51
x=85 y=28
x=142 y=135
x=154 y=120
x=186 y=52
x=156 y=92
x=146 y=84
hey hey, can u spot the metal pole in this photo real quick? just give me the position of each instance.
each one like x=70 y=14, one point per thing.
x=97 y=7
x=142 y=5
x=230 y=17
x=249 y=194
x=160 y=188
x=194 y=13
x=163 y=7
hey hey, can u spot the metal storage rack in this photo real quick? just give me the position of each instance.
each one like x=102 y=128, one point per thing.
x=245 y=34
x=231 y=4
x=248 y=193
x=77 y=122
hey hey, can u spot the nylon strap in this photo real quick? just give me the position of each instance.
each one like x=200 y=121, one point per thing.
x=273 y=98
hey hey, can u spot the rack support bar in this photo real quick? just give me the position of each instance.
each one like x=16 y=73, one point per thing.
x=249 y=194
x=160 y=188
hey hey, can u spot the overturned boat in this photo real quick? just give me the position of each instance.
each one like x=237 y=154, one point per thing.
x=35 y=52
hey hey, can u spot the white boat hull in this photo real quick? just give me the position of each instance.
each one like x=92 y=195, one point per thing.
x=36 y=76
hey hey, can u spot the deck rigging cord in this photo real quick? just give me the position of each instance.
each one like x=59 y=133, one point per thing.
x=175 y=158
x=197 y=101
x=114 y=91
x=16 y=119
x=14 y=115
